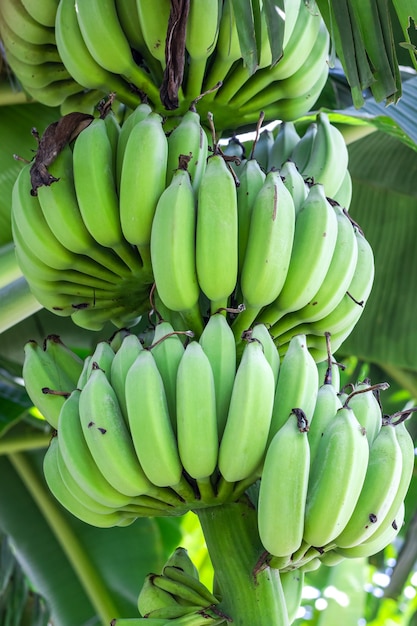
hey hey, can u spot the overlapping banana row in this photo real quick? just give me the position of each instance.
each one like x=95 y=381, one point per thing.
x=72 y=52
x=351 y=467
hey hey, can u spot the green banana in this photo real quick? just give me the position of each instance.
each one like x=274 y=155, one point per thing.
x=251 y=179
x=15 y=15
x=243 y=445
x=152 y=598
x=188 y=139
x=367 y=408
x=102 y=358
x=67 y=500
x=137 y=115
x=262 y=148
x=282 y=502
x=179 y=575
x=109 y=440
x=284 y=143
x=153 y=21
x=316 y=230
x=327 y=405
x=78 y=60
x=337 y=476
x=216 y=233
x=295 y=184
x=269 y=249
x=329 y=157
x=196 y=413
x=55 y=94
x=37 y=76
x=25 y=51
x=120 y=365
x=181 y=559
x=61 y=211
x=150 y=423
x=185 y=588
x=297 y=384
x=201 y=38
x=78 y=458
x=168 y=349
x=260 y=333
x=43 y=12
x=335 y=283
x=292 y=586
x=107 y=43
x=218 y=343
x=67 y=361
x=95 y=187
x=172 y=246
x=302 y=150
x=382 y=480
x=343 y=195
x=142 y=180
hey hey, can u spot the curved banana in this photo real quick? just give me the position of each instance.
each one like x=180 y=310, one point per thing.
x=24 y=50
x=107 y=437
x=336 y=478
x=282 y=502
x=260 y=333
x=107 y=43
x=269 y=249
x=292 y=586
x=151 y=598
x=382 y=480
x=367 y=408
x=137 y=115
x=197 y=434
x=218 y=343
x=150 y=423
x=295 y=184
x=168 y=349
x=179 y=575
x=120 y=365
x=201 y=37
x=153 y=19
x=15 y=15
x=37 y=76
x=67 y=361
x=142 y=180
x=243 y=444
x=41 y=373
x=60 y=208
x=285 y=141
x=262 y=148
x=343 y=195
x=78 y=60
x=60 y=491
x=181 y=560
x=57 y=93
x=329 y=157
x=327 y=405
x=216 y=233
x=314 y=243
x=172 y=246
x=190 y=140
x=297 y=384
x=302 y=150
x=102 y=357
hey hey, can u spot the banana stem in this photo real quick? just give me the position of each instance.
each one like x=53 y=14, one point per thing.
x=94 y=585
x=251 y=594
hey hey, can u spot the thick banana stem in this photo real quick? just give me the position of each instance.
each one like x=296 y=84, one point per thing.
x=251 y=592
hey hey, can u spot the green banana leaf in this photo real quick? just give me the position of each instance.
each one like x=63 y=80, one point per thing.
x=84 y=573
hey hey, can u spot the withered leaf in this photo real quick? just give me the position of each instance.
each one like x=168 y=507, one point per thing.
x=174 y=53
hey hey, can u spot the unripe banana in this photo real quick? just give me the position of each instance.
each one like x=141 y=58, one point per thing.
x=179 y=575
x=292 y=586
x=336 y=478
x=181 y=559
x=152 y=597
x=285 y=141
x=295 y=184
x=172 y=246
x=382 y=480
x=37 y=76
x=182 y=590
x=66 y=360
x=142 y=180
x=44 y=12
x=343 y=195
x=251 y=178
x=190 y=140
x=328 y=160
x=216 y=234
x=218 y=343
x=282 y=502
x=260 y=333
x=42 y=377
x=26 y=51
x=367 y=409
x=78 y=458
x=150 y=423
x=15 y=15
x=65 y=497
x=154 y=22
x=136 y=116
x=120 y=365
x=302 y=150
x=297 y=384
x=243 y=445
x=263 y=148
x=268 y=253
x=315 y=237
x=196 y=413
x=102 y=358
x=108 y=438
x=327 y=405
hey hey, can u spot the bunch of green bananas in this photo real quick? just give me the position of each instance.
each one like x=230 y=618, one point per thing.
x=72 y=52
x=134 y=205
x=27 y=32
x=351 y=469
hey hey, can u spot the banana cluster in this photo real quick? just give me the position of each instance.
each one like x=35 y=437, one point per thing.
x=72 y=52
x=177 y=592
x=351 y=467
x=27 y=32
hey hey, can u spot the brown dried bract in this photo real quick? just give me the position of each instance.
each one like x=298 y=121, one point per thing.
x=56 y=136
x=174 y=53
